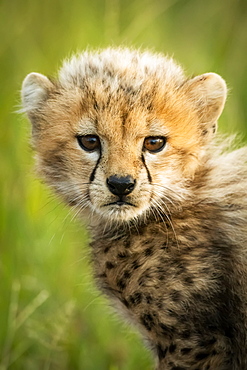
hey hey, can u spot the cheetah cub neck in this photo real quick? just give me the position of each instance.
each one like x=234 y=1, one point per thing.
x=124 y=137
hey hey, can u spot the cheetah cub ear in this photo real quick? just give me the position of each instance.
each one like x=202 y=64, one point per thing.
x=208 y=93
x=35 y=90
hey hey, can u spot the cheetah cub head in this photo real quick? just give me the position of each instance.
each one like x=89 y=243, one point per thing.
x=120 y=132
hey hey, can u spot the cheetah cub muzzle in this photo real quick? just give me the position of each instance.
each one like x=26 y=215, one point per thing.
x=129 y=142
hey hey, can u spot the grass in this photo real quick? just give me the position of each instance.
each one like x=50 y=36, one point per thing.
x=51 y=314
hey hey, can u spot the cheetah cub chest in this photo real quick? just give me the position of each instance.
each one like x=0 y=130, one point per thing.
x=127 y=140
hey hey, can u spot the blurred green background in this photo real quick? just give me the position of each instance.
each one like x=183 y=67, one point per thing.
x=51 y=315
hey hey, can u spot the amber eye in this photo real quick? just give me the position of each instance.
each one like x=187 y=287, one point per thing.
x=90 y=143
x=154 y=144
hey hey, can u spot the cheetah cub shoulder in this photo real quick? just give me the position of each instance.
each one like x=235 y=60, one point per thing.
x=125 y=138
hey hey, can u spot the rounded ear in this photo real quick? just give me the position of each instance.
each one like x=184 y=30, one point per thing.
x=208 y=94
x=35 y=91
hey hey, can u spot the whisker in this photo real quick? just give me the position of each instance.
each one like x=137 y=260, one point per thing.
x=167 y=188
x=161 y=212
x=84 y=202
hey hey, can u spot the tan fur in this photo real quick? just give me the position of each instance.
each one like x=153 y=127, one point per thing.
x=171 y=253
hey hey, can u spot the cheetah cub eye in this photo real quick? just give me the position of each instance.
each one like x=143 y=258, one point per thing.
x=154 y=144
x=89 y=143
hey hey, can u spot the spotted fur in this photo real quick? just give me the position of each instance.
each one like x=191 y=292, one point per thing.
x=170 y=254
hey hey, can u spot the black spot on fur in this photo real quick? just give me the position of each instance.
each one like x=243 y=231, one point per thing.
x=130 y=90
x=167 y=330
x=206 y=343
x=141 y=280
x=186 y=350
x=172 y=313
x=126 y=274
x=127 y=243
x=103 y=275
x=120 y=237
x=109 y=265
x=140 y=231
x=124 y=118
x=175 y=296
x=136 y=264
x=161 y=352
x=148 y=252
x=180 y=269
x=121 y=283
x=164 y=246
x=135 y=298
x=198 y=297
x=148 y=298
x=161 y=273
x=186 y=334
x=178 y=368
x=188 y=280
x=106 y=250
x=172 y=348
x=147 y=320
x=122 y=255
x=125 y=302
x=201 y=356
x=159 y=303
x=148 y=241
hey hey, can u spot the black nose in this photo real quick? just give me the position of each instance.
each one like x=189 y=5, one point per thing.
x=120 y=185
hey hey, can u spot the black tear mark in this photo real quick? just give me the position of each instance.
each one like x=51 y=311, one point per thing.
x=92 y=176
x=148 y=173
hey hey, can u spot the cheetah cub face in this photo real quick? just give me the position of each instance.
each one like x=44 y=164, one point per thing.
x=120 y=132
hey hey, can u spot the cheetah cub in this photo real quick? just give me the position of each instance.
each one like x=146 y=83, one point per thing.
x=125 y=138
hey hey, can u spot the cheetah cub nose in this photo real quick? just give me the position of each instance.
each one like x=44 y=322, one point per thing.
x=122 y=185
